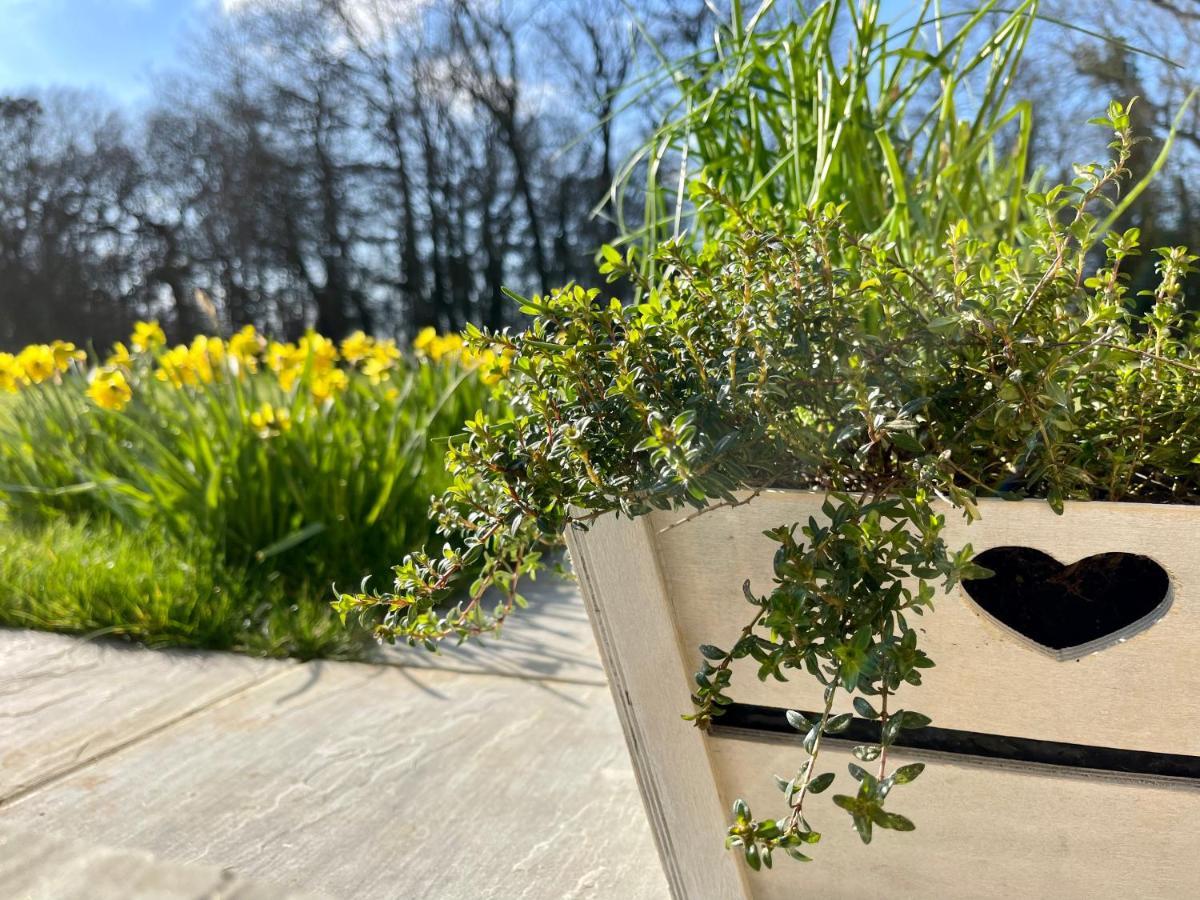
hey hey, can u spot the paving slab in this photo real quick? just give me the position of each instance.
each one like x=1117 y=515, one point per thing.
x=366 y=781
x=42 y=867
x=550 y=639
x=65 y=701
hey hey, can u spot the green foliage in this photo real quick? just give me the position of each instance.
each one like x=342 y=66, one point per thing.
x=840 y=612
x=909 y=125
x=336 y=495
x=266 y=484
x=795 y=351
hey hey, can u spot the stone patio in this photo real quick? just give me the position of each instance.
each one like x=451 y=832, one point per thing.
x=494 y=771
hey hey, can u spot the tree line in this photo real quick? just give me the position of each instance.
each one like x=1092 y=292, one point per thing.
x=387 y=165
x=336 y=165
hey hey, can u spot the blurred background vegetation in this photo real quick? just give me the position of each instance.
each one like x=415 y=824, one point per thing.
x=210 y=494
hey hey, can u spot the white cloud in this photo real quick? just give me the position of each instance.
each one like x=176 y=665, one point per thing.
x=370 y=18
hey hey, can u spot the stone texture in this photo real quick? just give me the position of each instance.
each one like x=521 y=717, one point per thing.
x=551 y=639
x=41 y=867
x=378 y=781
x=65 y=701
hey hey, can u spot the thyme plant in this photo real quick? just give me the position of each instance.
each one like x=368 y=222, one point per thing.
x=812 y=356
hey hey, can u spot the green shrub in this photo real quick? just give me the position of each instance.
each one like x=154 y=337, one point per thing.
x=796 y=351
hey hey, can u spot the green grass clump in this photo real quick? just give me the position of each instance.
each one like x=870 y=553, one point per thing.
x=94 y=578
x=909 y=123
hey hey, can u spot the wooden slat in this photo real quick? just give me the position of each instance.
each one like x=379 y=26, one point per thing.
x=985 y=679
x=621 y=583
x=983 y=832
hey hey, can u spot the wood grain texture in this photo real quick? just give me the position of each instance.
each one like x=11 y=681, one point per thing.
x=982 y=832
x=649 y=675
x=986 y=679
x=984 y=829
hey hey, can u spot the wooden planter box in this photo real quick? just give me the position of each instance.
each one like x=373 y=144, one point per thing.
x=1097 y=795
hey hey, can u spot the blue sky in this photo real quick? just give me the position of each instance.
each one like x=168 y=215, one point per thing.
x=115 y=46
x=109 y=45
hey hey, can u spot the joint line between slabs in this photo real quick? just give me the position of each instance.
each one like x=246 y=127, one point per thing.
x=25 y=791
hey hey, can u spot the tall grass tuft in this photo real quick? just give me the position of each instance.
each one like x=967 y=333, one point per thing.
x=909 y=124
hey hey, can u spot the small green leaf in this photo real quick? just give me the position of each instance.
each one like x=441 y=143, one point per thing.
x=741 y=811
x=894 y=821
x=864 y=708
x=905 y=774
x=810 y=739
x=849 y=804
x=915 y=720
x=752 y=857
x=820 y=783
x=890 y=730
x=838 y=724
x=798 y=720
x=862 y=824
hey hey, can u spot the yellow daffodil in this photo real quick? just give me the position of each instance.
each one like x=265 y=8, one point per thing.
x=424 y=340
x=217 y=351
x=449 y=345
x=493 y=366
x=37 y=363
x=244 y=347
x=10 y=373
x=119 y=358
x=64 y=352
x=280 y=356
x=429 y=343
x=381 y=360
x=357 y=347
x=109 y=389
x=386 y=349
x=175 y=366
x=203 y=353
x=326 y=384
x=147 y=336
x=268 y=420
x=286 y=361
x=322 y=351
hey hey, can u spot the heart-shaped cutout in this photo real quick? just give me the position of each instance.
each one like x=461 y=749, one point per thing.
x=1070 y=610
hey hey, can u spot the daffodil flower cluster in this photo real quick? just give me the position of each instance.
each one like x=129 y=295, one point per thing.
x=37 y=363
x=492 y=366
x=314 y=366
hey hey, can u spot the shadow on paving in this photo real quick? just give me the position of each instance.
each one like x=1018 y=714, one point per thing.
x=550 y=639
